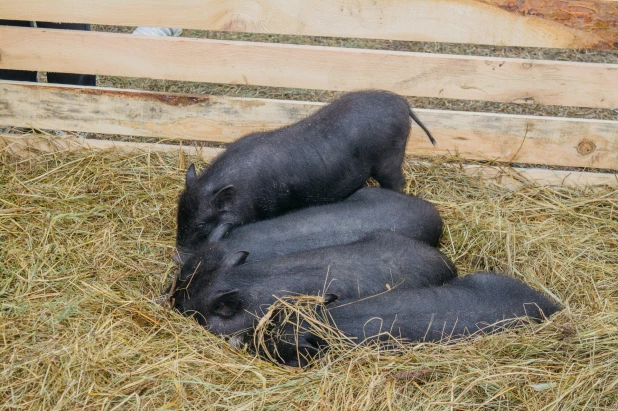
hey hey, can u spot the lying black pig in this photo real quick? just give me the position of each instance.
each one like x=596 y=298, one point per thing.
x=364 y=212
x=321 y=159
x=227 y=296
x=480 y=302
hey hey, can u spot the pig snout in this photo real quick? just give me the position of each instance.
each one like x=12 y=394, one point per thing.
x=181 y=256
x=299 y=354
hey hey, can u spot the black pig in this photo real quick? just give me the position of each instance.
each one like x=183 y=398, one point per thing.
x=480 y=302
x=366 y=211
x=226 y=296
x=321 y=159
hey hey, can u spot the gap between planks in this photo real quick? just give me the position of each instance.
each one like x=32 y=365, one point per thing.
x=513 y=178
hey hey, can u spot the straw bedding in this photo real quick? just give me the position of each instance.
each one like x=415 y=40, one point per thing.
x=85 y=244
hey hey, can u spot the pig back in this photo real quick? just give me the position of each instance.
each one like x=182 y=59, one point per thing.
x=480 y=301
x=367 y=211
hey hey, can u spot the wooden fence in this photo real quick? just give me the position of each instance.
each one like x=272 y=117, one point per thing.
x=572 y=142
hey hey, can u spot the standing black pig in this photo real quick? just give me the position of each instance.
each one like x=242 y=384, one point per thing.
x=226 y=296
x=321 y=159
x=480 y=302
x=366 y=211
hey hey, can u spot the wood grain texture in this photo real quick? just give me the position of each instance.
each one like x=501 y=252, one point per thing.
x=142 y=113
x=527 y=23
x=311 y=67
x=594 y=17
x=28 y=146
x=516 y=177
x=499 y=137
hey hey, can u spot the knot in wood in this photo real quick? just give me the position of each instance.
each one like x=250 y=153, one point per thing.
x=586 y=147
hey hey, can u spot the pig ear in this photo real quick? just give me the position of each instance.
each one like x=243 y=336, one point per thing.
x=219 y=232
x=191 y=177
x=191 y=265
x=186 y=272
x=330 y=298
x=237 y=258
x=223 y=200
x=226 y=303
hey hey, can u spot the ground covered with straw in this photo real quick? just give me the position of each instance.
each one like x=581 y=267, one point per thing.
x=85 y=243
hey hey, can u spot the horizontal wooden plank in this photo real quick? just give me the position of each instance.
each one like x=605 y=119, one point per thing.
x=530 y=23
x=24 y=145
x=509 y=177
x=518 y=176
x=142 y=113
x=592 y=17
x=146 y=114
x=311 y=67
x=500 y=137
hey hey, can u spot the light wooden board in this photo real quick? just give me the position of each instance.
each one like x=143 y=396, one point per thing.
x=487 y=136
x=533 y=23
x=517 y=176
x=25 y=145
x=141 y=113
x=510 y=177
x=311 y=67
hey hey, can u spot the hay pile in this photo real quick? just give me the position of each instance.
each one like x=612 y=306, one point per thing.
x=85 y=243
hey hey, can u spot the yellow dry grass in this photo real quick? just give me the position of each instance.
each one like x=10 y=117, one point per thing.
x=85 y=243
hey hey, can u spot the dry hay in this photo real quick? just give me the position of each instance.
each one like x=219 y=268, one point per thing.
x=85 y=250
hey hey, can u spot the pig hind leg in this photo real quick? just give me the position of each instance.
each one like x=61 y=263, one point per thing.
x=390 y=176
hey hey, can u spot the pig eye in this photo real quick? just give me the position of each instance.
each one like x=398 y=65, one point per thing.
x=204 y=225
x=225 y=308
